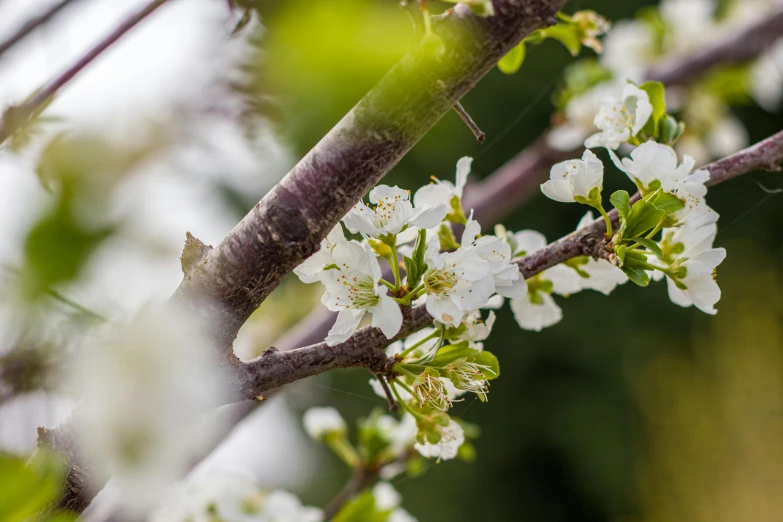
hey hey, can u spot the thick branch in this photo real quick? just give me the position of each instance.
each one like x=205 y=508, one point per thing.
x=18 y=115
x=289 y=223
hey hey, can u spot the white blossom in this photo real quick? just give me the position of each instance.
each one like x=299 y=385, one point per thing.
x=477 y=329
x=620 y=119
x=654 y=165
x=576 y=180
x=538 y=309
x=442 y=192
x=509 y=282
x=603 y=276
x=451 y=438
x=727 y=136
x=579 y=116
x=691 y=251
x=312 y=269
x=353 y=289
x=392 y=213
x=146 y=388
x=456 y=282
x=389 y=499
x=322 y=421
x=690 y=23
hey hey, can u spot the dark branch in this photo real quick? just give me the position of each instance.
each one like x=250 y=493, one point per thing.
x=33 y=24
x=17 y=116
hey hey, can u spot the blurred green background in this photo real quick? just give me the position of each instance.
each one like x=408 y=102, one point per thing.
x=631 y=408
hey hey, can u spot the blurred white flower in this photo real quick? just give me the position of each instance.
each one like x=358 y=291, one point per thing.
x=576 y=180
x=620 y=119
x=232 y=496
x=727 y=136
x=353 y=289
x=389 y=499
x=628 y=49
x=145 y=388
x=320 y=422
x=767 y=78
x=690 y=23
x=451 y=438
x=391 y=214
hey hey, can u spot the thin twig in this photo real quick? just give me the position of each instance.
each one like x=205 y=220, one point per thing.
x=33 y=24
x=16 y=116
x=393 y=406
x=474 y=128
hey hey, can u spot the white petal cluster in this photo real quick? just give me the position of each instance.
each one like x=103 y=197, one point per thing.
x=441 y=192
x=620 y=119
x=451 y=438
x=574 y=180
x=579 y=116
x=231 y=496
x=392 y=212
x=312 y=269
x=538 y=309
x=653 y=166
x=146 y=387
x=322 y=421
x=692 y=250
x=353 y=289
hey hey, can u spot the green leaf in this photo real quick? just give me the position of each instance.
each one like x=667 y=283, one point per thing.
x=644 y=216
x=361 y=508
x=488 y=359
x=413 y=272
x=637 y=275
x=620 y=253
x=657 y=94
x=567 y=34
x=513 y=60
x=650 y=245
x=669 y=203
x=622 y=202
x=27 y=489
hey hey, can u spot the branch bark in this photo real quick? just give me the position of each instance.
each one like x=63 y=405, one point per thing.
x=289 y=223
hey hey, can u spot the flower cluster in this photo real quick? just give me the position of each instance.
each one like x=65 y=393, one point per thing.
x=672 y=200
x=454 y=278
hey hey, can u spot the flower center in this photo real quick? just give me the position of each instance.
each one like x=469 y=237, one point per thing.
x=439 y=281
x=360 y=291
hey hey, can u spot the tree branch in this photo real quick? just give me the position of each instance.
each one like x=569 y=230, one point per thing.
x=741 y=46
x=18 y=115
x=33 y=24
x=288 y=224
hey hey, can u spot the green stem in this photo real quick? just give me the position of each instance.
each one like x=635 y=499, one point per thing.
x=405 y=352
x=609 y=232
x=425 y=14
x=393 y=384
x=343 y=449
x=394 y=262
x=386 y=284
x=657 y=229
x=410 y=296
